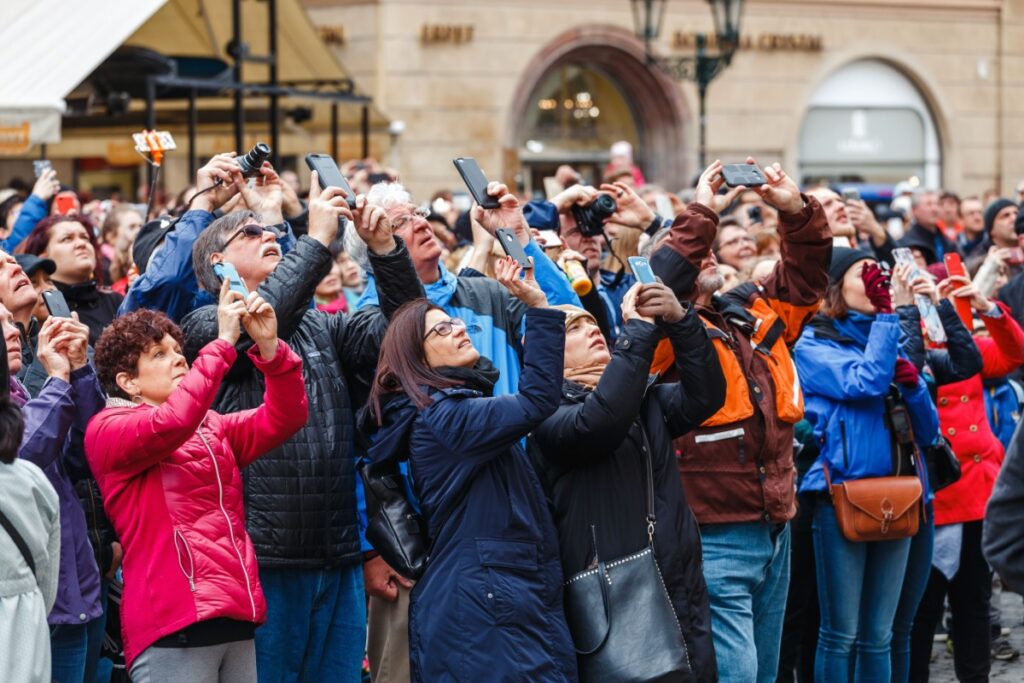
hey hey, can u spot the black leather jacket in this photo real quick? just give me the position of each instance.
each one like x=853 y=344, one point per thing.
x=300 y=499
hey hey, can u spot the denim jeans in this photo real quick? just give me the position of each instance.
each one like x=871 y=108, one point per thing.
x=919 y=567
x=97 y=629
x=316 y=625
x=68 y=645
x=746 y=567
x=857 y=596
x=800 y=632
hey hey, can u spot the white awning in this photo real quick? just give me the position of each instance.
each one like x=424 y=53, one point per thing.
x=47 y=47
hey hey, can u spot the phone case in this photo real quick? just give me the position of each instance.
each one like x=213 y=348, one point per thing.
x=510 y=243
x=329 y=175
x=476 y=181
x=743 y=174
x=56 y=304
x=642 y=270
x=226 y=271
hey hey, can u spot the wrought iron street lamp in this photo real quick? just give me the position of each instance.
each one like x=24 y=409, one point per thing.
x=702 y=67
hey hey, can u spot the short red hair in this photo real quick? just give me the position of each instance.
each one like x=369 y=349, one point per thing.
x=119 y=347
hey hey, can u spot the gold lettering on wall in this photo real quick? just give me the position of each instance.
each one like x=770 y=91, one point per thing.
x=456 y=34
x=765 y=42
x=333 y=35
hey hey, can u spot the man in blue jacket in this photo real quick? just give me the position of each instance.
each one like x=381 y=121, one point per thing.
x=35 y=209
x=163 y=250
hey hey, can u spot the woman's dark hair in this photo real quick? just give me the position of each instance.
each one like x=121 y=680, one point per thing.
x=7 y=205
x=403 y=363
x=834 y=305
x=39 y=239
x=12 y=425
x=119 y=347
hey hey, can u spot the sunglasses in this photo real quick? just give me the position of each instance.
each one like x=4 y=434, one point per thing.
x=443 y=329
x=252 y=230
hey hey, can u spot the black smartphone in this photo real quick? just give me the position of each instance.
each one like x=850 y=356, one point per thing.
x=510 y=243
x=476 y=181
x=56 y=304
x=742 y=174
x=330 y=175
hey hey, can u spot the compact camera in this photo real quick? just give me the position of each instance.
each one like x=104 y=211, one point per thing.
x=591 y=217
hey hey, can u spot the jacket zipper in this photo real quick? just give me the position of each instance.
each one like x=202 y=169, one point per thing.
x=190 y=574
x=231 y=531
x=842 y=434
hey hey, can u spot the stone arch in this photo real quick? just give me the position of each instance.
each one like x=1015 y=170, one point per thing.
x=661 y=114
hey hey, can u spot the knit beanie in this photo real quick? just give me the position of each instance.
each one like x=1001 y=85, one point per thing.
x=993 y=209
x=842 y=259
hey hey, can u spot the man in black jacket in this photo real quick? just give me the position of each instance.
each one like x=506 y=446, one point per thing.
x=925 y=228
x=300 y=498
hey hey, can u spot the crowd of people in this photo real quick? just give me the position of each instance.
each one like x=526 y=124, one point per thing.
x=790 y=455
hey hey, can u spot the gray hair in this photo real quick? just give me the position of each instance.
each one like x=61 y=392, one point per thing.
x=653 y=242
x=213 y=240
x=920 y=194
x=385 y=195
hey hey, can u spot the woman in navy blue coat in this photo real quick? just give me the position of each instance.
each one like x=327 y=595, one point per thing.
x=489 y=606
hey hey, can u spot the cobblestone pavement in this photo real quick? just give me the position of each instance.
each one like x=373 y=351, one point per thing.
x=1013 y=612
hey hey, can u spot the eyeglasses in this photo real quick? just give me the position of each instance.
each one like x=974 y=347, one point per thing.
x=445 y=328
x=400 y=222
x=252 y=230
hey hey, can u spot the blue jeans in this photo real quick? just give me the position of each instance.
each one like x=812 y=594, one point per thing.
x=919 y=568
x=68 y=645
x=96 y=630
x=859 y=587
x=316 y=625
x=746 y=567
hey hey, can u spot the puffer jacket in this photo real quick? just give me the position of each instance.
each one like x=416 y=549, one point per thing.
x=594 y=443
x=171 y=483
x=489 y=606
x=300 y=501
x=965 y=423
x=846 y=368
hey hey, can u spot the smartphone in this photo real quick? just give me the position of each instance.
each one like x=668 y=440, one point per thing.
x=41 y=166
x=642 y=270
x=475 y=181
x=64 y=203
x=510 y=243
x=742 y=174
x=225 y=271
x=329 y=175
x=549 y=238
x=851 y=194
x=955 y=268
x=56 y=304
x=375 y=178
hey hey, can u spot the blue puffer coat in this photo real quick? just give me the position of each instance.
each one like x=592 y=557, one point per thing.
x=489 y=606
x=845 y=368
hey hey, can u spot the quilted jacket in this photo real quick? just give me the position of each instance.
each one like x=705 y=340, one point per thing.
x=172 y=485
x=300 y=501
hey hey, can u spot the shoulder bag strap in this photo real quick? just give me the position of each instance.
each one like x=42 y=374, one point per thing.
x=18 y=541
x=649 y=492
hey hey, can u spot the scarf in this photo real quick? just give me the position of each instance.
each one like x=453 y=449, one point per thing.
x=857 y=327
x=439 y=293
x=481 y=377
x=588 y=375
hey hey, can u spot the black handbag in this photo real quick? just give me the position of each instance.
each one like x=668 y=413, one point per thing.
x=394 y=528
x=943 y=465
x=621 y=618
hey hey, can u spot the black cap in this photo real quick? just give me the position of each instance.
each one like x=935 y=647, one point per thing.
x=150 y=236
x=30 y=263
x=842 y=259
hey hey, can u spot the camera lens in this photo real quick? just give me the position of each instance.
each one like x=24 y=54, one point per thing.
x=251 y=162
x=603 y=206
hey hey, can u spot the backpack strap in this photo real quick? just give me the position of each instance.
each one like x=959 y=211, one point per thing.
x=18 y=541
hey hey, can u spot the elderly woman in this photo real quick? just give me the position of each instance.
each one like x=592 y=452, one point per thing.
x=595 y=442
x=489 y=605
x=55 y=422
x=169 y=469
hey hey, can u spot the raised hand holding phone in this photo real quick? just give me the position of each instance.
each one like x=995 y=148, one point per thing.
x=955 y=268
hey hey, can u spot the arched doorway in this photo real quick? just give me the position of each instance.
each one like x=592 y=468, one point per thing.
x=586 y=89
x=868 y=122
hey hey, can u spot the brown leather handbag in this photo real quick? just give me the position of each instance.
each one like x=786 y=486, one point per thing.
x=877 y=509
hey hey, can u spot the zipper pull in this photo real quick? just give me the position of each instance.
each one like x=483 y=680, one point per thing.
x=192 y=584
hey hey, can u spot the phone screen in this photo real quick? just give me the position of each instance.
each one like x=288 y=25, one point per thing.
x=642 y=270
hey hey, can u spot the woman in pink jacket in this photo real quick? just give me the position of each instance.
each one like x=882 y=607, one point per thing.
x=169 y=469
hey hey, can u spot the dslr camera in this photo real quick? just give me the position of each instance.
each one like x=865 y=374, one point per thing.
x=254 y=158
x=590 y=217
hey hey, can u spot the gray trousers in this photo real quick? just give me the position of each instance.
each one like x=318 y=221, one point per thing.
x=387 y=642
x=227 y=663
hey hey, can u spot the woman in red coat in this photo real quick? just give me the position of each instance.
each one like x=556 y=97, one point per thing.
x=959 y=568
x=169 y=470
